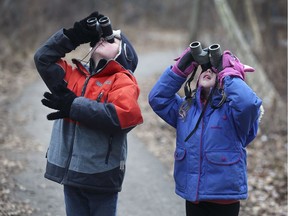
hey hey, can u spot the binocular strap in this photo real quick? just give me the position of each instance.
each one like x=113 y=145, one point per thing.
x=187 y=88
x=202 y=113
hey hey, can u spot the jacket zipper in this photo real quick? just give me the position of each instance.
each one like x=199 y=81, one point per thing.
x=85 y=85
x=109 y=150
x=71 y=150
x=200 y=159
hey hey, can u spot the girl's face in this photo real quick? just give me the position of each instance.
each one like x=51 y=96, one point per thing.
x=105 y=50
x=207 y=79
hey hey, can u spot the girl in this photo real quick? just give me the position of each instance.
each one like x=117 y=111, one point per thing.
x=213 y=126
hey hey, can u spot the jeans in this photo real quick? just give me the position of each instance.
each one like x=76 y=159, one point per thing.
x=83 y=202
x=212 y=209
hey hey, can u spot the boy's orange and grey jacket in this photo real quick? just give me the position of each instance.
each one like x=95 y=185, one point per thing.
x=89 y=149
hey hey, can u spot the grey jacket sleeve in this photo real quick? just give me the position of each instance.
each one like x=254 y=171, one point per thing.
x=46 y=58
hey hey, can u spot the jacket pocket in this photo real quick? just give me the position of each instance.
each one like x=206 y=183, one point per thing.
x=224 y=172
x=223 y=158
x=180 y=168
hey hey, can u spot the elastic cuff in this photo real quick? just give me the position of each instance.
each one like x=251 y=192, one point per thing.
x=176 y=70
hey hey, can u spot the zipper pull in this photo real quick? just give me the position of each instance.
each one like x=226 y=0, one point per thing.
x=99 y=96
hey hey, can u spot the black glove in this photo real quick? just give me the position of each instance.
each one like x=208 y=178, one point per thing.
x=60 y=100
x=81 y=33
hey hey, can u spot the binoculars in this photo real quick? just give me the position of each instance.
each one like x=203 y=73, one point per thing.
x=208 y=56
x=103 y=26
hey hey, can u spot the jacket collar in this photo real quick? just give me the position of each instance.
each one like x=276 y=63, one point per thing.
x=109 y=68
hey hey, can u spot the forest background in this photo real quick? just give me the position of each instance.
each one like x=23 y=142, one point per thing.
x=255 y=30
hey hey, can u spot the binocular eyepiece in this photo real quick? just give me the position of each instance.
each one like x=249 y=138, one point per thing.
x=208 y=56
x=103 y=26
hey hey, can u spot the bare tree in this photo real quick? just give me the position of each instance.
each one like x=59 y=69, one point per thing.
x=193 y=21
x=261 y=83
x=257 y=38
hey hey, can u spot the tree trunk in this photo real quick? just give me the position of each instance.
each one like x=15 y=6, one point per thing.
x=193 y=22
x=260 y=82
x=257 y=38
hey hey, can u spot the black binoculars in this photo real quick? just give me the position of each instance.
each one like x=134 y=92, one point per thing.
x=103 y=26
x=208 y=56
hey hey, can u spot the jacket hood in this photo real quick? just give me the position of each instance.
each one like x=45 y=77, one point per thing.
x=127 y=56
